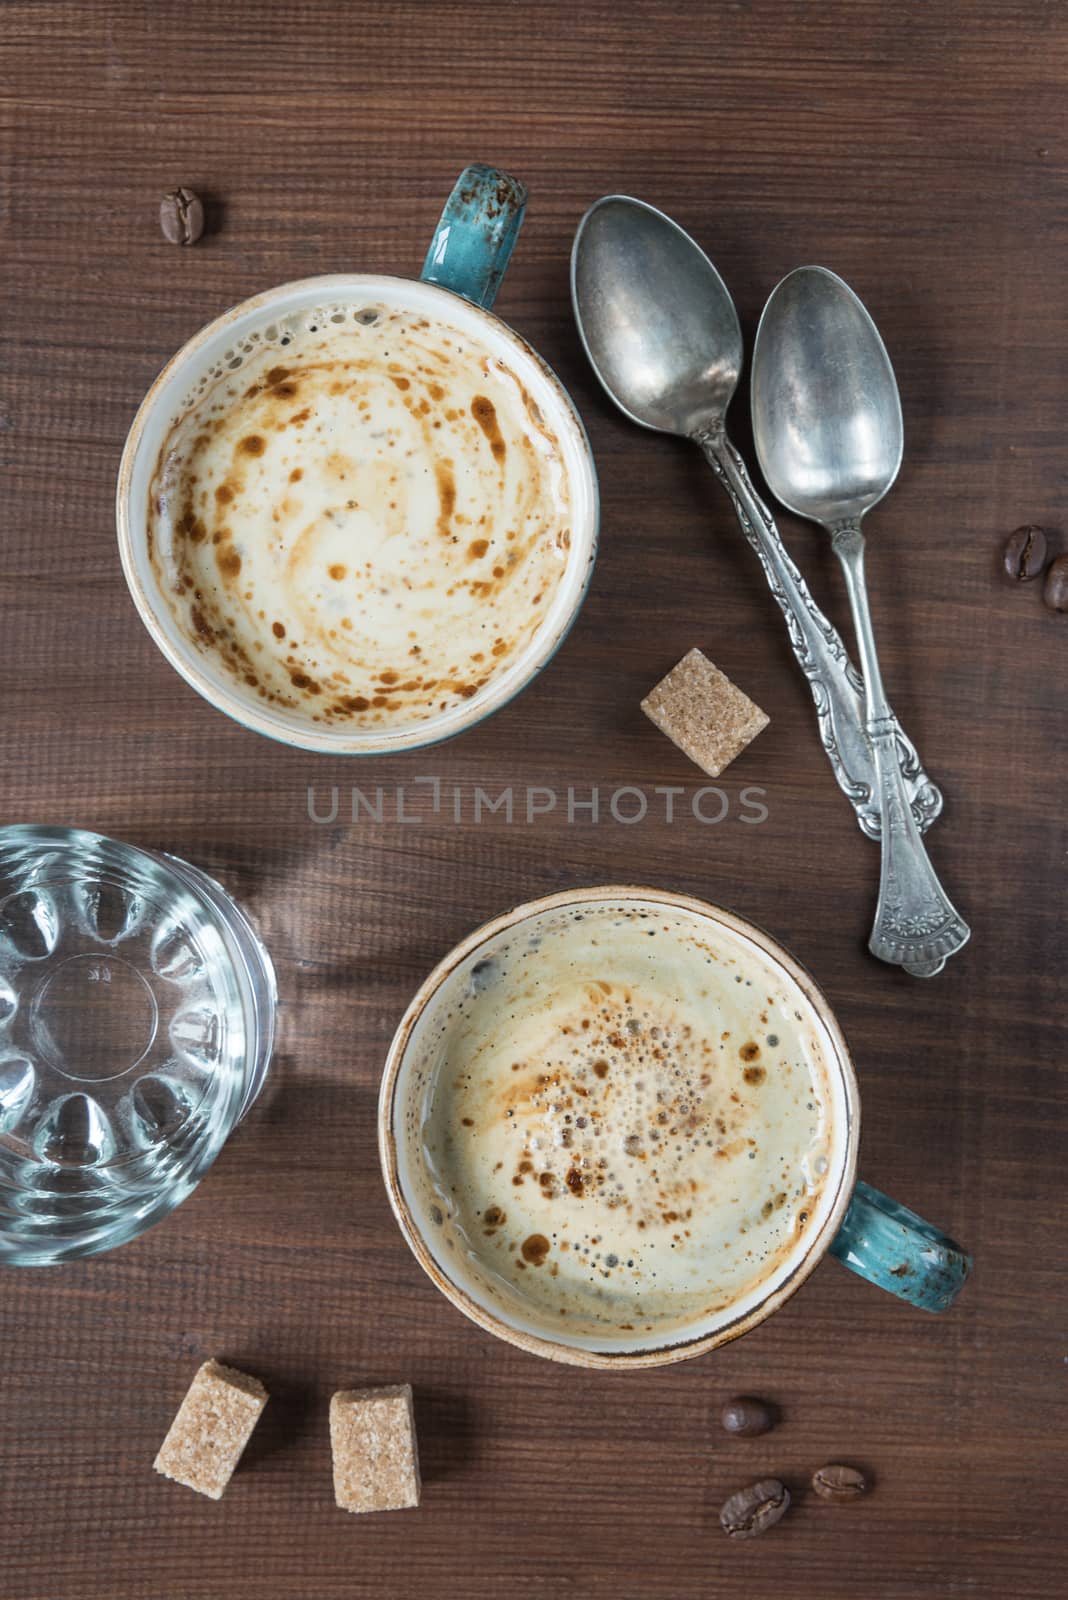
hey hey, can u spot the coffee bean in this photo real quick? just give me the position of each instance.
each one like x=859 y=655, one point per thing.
x=1025 y=554
x=746 y=1417
x=840 y=1484
x=181 y=216
x=1055 y=590
x=751 y=1511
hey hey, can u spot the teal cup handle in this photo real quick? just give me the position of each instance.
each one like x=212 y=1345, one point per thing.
x=476 y=234
x=894 y=1248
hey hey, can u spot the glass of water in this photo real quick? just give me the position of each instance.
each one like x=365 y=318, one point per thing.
x=136 y=1023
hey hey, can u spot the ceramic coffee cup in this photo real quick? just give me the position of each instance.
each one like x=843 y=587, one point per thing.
x=466 y=1252
x=457 y=286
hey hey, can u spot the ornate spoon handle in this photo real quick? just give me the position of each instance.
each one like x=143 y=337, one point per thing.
x=916 y=924
x=836 y=685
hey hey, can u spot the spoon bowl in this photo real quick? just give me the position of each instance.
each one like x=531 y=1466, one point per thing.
x=655 y=317
x=826 y=410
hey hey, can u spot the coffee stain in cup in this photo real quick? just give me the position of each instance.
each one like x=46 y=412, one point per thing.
x=338 y=495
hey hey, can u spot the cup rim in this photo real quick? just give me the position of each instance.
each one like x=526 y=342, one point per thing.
x=654 y=1355
x=183 y=657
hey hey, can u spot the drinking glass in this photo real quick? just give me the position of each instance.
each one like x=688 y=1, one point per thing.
x=136 y=1023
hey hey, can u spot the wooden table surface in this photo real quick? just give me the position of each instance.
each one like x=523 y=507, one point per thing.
x=919 y=149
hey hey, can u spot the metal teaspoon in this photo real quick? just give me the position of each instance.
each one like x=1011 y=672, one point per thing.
x=829 y=436
x=663 y=338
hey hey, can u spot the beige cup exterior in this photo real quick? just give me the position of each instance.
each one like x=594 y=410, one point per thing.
x=714 y=1330
x=222 y=346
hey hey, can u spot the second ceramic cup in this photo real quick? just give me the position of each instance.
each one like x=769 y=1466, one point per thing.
x=619 y=1127
x=363 y=578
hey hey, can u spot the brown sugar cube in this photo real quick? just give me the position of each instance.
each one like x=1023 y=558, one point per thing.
x=372 y=1436
x=702 y=712
x=212 y=1428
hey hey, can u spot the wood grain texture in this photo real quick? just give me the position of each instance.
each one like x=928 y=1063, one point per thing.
x=919 y=149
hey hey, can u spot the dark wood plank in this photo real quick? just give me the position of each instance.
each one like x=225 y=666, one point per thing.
x=919 y=149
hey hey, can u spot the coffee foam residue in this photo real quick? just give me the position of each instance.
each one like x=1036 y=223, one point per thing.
x=651 y=1113
x=362 y=514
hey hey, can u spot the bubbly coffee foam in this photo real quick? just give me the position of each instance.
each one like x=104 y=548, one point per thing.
x=624 y=1124
x=366 y=522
